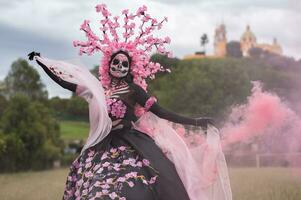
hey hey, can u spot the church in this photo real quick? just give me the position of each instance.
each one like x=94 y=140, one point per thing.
x=248 y=40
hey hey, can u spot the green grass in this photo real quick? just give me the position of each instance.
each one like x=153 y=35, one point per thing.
x=72 y=130
x=247 y=184
x=45 y=185
x=266 y=184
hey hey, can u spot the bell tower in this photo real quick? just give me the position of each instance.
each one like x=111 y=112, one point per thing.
x=220 y=41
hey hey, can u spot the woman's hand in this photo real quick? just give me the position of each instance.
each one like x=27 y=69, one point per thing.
x=32 y=55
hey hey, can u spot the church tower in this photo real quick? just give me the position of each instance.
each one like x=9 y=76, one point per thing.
x=220 y=41
x=247 y=41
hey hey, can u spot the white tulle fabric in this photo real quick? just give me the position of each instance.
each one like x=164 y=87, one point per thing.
x=199 y=160
x=89 y=88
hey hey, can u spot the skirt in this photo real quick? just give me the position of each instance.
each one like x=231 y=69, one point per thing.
x=126 y=165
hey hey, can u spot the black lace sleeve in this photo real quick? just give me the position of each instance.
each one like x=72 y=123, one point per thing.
x=58 y=80
x=142 y=97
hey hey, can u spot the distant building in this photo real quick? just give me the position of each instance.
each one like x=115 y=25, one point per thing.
x=220 y=41
x=248 y=40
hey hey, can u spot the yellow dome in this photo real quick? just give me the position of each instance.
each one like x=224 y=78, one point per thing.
x=248 y=36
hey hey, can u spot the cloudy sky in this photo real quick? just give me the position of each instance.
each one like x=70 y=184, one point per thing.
x=50 y=27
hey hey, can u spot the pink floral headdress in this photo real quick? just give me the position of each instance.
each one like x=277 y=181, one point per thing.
x=138 y=44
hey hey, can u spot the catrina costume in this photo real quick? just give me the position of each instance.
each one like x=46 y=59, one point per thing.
x=136 y=150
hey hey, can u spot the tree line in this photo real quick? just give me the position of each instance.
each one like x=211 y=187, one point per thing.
x=29 y=128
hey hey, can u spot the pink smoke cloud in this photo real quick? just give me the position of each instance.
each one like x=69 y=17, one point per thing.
x=264 y=115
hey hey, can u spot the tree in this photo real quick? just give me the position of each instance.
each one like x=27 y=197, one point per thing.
x=24 y=79
x=95 y=70
x=233 y=49
x=203 y=87
x=3 y=104
x=2 y=88
x=30 y=138
x=168 y=63
x=77 y=108
x=204 y=42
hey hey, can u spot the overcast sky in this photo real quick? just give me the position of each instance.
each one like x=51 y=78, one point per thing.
x=50 y=27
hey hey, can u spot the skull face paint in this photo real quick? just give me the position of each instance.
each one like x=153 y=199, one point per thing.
x=119 y=66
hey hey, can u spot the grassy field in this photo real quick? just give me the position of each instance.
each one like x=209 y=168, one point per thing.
x=247 y=184
x=72 y=130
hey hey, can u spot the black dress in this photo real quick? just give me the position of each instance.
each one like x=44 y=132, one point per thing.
x=127 y=164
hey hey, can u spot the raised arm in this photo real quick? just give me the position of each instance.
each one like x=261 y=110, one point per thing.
x=58 y=80
x=144 y=100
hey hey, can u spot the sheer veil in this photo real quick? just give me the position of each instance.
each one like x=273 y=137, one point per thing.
x=198 y=158
x=89 y=88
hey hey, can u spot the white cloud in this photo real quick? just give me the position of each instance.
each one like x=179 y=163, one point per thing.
x=51 y=26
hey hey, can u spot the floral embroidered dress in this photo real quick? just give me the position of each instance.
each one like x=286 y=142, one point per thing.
x=129 y=156
x=127 y=164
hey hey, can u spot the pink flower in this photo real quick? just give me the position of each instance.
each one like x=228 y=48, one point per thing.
x=153 y=179
x=139 y=111
x=113 y=195
x=85 y=192
x=126 y=162
x=100 y=7
x=149 y=103
x=89 y=159
x=139 y=164
x=88 y=174
x=105 y=192
x=145 y=182
x=122 y=148
x=141 y=10
x=103 y=9
x=167 y=40
x=106 y=164
x=116 y=108
x=125 y=12
x=86 y=184
x=104 y=156
x=88 y=165
x=91 y=153
x=146 y=162
x=84 y=24
x=113 y=150
x=121 y=179
x=131 y=184
x=137 y=46
x=109 y=180
x=98 y=194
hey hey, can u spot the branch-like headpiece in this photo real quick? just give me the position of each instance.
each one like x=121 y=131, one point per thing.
x=134 y=37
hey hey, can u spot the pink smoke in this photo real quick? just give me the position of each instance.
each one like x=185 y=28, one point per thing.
x=267 y=117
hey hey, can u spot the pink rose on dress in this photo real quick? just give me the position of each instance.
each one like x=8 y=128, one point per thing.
x=146 y=162
x=131 y=184
x=116 y=108
x=122 y=148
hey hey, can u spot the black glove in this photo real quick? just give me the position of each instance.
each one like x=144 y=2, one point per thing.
x=33 y=54
x=204 y=121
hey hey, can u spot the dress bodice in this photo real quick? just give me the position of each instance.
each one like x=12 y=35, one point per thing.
x=121 y=102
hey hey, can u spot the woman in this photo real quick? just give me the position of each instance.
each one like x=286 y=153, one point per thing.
x=130 y=153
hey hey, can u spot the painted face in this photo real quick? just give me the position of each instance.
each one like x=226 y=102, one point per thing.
x=119 y=66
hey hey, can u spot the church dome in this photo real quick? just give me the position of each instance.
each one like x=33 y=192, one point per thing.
x=248 y=36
